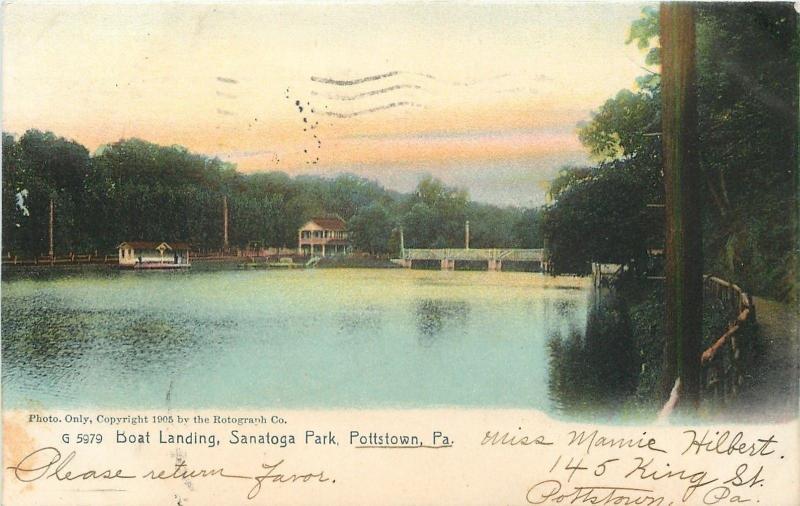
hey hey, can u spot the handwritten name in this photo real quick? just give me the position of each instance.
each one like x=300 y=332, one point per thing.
x=594 y=439
x=720 y=444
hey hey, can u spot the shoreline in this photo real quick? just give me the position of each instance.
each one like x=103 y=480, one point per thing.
x=230 y=263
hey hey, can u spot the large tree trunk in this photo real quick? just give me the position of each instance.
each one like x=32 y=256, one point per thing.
x=682 y=181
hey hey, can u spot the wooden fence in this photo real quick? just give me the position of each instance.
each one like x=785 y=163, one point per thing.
x=723 y=362
x=200 y=254
x=72 y=258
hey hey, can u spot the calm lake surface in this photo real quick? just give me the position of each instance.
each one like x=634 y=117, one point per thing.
x=328 y=338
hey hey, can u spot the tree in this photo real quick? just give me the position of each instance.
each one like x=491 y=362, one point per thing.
x=420 y=226
x=600 y=217
x=38 y=168
x=370 y=229
x=527 y=231
x=436 y=215
x=136 y=190
x=747 y=81
x=623 y=126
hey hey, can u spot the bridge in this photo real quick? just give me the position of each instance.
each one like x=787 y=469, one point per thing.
x=494 y=257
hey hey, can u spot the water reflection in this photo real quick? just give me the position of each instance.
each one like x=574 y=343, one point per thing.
x=594 y=372
x=402 y=338
x=56 y=338
x=566 y=308
x=359 y=321
x=435 y=316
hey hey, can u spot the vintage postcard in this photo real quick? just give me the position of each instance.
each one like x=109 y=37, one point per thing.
x=402 y=253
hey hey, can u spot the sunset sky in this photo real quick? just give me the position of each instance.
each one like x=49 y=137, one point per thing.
x=485 y=97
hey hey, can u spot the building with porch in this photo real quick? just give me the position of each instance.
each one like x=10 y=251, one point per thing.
x=323 y=237
x=152 y=255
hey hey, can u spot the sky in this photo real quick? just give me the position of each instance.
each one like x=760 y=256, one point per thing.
x=483 y=96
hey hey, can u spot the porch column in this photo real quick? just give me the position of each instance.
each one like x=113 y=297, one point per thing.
x=323 y=249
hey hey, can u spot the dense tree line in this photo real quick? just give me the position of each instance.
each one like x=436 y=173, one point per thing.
x=136 y=190
x=747 y=85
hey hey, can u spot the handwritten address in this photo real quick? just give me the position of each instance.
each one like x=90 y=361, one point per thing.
x=581 y=478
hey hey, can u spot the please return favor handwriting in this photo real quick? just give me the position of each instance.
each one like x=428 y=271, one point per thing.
x=48 y=464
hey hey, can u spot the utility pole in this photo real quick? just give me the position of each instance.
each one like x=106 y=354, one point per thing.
x=225 y=221
x=466 y=235
x=684 y=261
x=52 y=216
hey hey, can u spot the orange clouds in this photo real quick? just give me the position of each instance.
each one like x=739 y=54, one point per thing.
x=495 y=82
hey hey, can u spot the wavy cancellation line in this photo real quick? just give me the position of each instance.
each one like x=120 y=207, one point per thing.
x=376 y=77
x=384 y=107
x=372 y=93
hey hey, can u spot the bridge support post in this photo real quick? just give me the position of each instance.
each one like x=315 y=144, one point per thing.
x=495 y=265
x=448 y=265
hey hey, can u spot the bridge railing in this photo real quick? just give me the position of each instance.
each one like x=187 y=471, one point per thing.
x=475 y=254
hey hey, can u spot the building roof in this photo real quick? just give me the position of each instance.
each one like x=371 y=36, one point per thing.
x=179 y=245
x=154 y=245
x=330 y=223
x=139 y=244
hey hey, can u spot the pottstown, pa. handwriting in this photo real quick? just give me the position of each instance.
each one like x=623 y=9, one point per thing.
x=549 y=492
x=46 y=463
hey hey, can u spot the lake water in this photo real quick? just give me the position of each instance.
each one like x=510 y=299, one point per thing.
x=326 y=338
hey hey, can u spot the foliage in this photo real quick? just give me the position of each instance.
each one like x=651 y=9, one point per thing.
x=567 y=176
x=136 y=190
x=620 y=129
x=747 y=85
x=370 y=229
x=599 y=217
x=37 y=168
x=643 y=30
x=747 y=105
x=435 y=216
